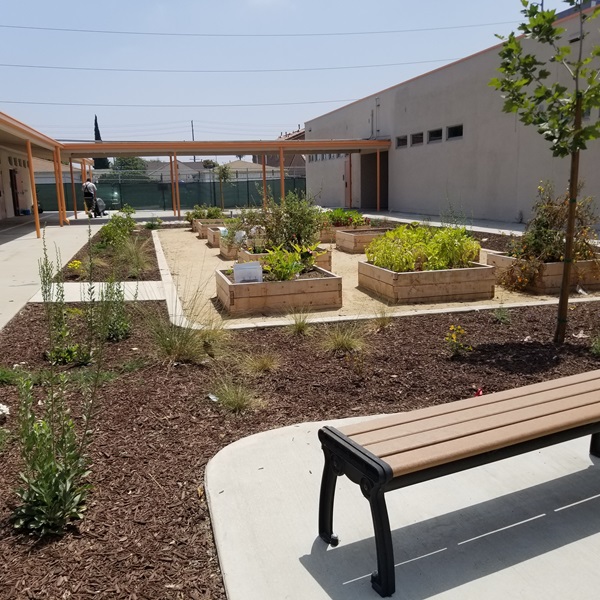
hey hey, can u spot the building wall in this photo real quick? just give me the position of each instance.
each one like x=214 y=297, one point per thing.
x=491 y=172
x=12 y=160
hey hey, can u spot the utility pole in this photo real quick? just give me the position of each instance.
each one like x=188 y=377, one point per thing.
x=193 y=140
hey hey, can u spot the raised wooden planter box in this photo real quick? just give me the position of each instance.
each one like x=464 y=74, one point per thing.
x=451 y=285
x=228 y=251
x=279 y=296
x=355 y=241
x=585 y=273
x=213 y=237
x=202 y=226
x=327 y=236
x=323 y=261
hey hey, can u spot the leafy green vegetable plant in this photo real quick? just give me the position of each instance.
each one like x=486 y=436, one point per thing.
x=416 y=248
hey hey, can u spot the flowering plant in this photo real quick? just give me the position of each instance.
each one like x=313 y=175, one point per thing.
x=455 y=340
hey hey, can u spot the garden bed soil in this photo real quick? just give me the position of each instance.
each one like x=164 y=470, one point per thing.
x=104 y=267
x=147 y=531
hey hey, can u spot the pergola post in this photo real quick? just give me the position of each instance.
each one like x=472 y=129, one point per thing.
x=282 y=173
x=58 y=183
x=172 y=185
x=264 y=179
x=61 y=187
x=33 y=191
x=350 y=178
x=178 y=197
x=73 y=188
x=378 y=181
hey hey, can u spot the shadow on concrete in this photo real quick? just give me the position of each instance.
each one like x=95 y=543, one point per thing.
x=453 y=549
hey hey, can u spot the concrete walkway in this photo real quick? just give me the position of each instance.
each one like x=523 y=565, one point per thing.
x=524 y=528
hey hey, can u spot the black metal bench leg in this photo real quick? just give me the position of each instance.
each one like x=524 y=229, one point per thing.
x=384 y=579
x=326 y=501
x=595 y=445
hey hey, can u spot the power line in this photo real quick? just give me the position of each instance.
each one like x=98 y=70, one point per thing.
x=188 y=71
x=91 y=104
x=254 y=35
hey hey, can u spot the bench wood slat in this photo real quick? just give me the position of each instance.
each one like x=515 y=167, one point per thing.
x=399 y=418
x=541 y=403
x=462 y=433
x=453 y=450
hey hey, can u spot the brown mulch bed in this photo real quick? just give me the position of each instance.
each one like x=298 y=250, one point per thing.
x=106 y=267
x=147 y=532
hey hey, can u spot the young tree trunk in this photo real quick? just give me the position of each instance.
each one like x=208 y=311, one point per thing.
x=563 y=303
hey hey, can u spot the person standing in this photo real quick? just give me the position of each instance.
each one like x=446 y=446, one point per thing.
x=89 y=197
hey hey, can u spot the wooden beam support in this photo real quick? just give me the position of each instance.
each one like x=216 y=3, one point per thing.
x=61 y=187
x=378 y=181
x=58 y=183
x=33 y=191
x=172 y=185
x=282 y=173
x=264 y=177
x=73 y=188
x=177 y=196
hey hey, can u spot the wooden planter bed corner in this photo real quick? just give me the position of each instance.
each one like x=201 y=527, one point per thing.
x=355 y=241
x=317 y=293
x=451 y=285
x=585 y=273
x=202 y=226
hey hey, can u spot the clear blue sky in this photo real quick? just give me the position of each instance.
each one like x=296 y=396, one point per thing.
x=441 y=31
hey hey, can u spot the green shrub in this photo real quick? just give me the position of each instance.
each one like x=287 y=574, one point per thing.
x=544 y=238
x=203 y=212
x=178 y=344
x=55 y=465
x=342 y=217
x=300 y=324
x=282 y=265
x=264 y=362
x=595 y=346
x=134 y=256
x=116 y=321
x=119 y=227
x=410 y=248
x=153 y=223
x=8 y=376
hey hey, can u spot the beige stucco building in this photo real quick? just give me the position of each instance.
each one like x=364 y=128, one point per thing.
x=452 y=147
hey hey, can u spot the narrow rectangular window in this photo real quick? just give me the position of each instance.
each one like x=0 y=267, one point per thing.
x=416 y=139
x=402 y=141
x=435 y=135
x=454 y=132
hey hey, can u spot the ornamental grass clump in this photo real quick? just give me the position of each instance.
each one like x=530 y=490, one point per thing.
x=417 y=248
x=544 y=238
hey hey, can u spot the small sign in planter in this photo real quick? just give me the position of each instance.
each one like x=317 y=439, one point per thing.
x=354 y=241
x=476 y=282
x=321 y=291
x=585 y=273
x=203 y=225
x=249 y=272
x=323 y=260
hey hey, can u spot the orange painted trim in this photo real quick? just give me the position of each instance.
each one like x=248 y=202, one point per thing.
x=282 y=174
x=58 y=181
x=264 y=179
x=73 y=188
x=33 y=190
x=61 y=188
x=350 y=177
x=378 y=181
x=81 y=150
x=177 y=196
x=28 y=133
x=172 y=185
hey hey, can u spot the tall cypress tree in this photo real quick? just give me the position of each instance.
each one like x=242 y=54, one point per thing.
x=99 y=163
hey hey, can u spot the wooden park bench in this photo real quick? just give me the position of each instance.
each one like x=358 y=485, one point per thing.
x=399 y=450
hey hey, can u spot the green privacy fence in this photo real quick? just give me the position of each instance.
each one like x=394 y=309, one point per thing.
x=155 y=195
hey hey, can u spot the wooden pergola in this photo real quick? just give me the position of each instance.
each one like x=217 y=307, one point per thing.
x=79 y=151
x=19 y=137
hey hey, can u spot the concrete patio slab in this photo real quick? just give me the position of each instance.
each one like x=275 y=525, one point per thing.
x=527 y=527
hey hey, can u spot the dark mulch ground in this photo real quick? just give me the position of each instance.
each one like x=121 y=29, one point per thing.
x=107 y=264
x=147 y=533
